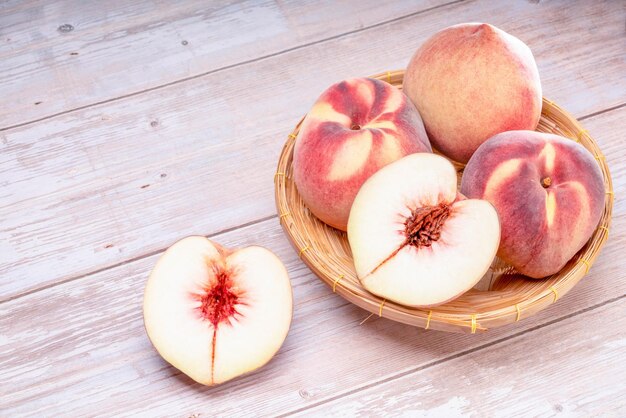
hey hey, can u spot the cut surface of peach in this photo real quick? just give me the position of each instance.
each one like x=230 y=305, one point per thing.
x=215 y=313
x=414 y=239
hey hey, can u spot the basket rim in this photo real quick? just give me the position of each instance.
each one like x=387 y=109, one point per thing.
x=480 y=320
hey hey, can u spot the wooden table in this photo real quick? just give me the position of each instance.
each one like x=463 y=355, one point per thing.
x=126 y=125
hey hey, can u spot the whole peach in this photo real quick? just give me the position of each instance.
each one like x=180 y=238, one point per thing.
x=548 y=191
x=470 y=82
x=356 y=127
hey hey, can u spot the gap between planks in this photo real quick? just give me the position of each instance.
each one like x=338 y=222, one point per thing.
x=599 y=112
x=123 y=338
x=450 y=358
x=130 y=260
x=235 y=65
x=222 y=231
x=115 y=188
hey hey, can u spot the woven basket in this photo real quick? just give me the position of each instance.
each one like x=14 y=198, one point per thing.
x=505 y=297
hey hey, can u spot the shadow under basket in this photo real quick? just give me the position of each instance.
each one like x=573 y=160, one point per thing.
x=502 y=296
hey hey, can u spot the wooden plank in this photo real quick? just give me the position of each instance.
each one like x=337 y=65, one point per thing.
x=97 y=187
x=120 y=47
x=74 y=347
x=575 y=367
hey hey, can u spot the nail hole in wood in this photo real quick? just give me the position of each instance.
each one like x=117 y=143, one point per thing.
x=65 y=28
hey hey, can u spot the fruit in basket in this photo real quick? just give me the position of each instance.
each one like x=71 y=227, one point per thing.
x=414 y=239
x=355 y=127
x=215 y=313
x=470 y=82
x=548 y=191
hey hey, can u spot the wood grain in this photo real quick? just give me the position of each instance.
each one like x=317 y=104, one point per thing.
x=122 y=47
x=555 y=372
x=97 y=187
x=90 y=197
x=75 y=346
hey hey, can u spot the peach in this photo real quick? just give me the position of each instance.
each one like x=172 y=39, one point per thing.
x=414 y=239
x=355 y=127
x=215 y=313
x=470 y=82
x=548 y=191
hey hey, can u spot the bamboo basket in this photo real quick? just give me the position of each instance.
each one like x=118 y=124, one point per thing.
x=506 y=296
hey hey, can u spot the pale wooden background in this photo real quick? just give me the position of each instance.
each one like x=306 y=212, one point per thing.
x=153 y=120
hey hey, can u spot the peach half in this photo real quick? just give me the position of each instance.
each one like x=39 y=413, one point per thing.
x=355 y=127
x=414 y=239
x=215 y=313
x=549 y=194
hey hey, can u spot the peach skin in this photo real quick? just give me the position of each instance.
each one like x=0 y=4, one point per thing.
x=549 y=194
x=470 y=82
x=356 y=127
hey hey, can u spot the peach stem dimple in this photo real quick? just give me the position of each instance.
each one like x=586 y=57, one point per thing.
x=546 y=182
x=355 y=127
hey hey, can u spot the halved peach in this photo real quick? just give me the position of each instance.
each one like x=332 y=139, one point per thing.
x=414 y=239
x=215 y=313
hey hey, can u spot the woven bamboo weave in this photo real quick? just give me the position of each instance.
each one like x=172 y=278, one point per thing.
x=502 y=297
